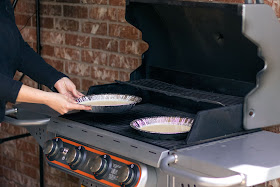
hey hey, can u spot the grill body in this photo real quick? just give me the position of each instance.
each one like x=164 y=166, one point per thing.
x=205 y=61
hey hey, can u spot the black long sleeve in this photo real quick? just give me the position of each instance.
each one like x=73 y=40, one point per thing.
x=10 y=89
x=36 y=68
x=15 y=54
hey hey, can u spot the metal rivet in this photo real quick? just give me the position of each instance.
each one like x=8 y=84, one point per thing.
x=251 y=113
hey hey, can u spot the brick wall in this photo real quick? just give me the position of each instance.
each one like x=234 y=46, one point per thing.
x=90 y=41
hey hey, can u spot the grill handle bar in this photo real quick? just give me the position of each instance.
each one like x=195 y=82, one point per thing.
x=16 y=122
x=199 y=180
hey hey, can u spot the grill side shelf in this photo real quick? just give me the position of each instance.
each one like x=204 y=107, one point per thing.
x=191 y=94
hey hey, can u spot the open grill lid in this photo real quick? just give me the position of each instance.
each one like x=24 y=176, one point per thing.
x=195 y=45
x=213 y=47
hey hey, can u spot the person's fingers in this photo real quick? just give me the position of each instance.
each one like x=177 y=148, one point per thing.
x=75 y=93
x=80 y=94
x=79 y=107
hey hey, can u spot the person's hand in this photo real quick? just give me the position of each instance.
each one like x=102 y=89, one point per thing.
x=62 y=103
x=66 y=87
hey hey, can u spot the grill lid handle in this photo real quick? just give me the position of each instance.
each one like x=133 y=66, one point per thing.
x=199 y=180
x=16 y=122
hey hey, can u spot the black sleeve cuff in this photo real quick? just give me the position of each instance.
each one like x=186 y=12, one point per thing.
x=53 y=79
x=14 y=90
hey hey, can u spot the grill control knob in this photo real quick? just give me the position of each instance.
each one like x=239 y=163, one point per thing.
x=51 y=148
x=98 y=165
x=73 y=156
x=126 y=176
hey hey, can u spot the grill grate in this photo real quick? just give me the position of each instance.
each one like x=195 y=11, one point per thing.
x=195 y=95
x=120 y=123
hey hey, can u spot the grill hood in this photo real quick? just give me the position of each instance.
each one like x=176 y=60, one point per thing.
x=218 y=48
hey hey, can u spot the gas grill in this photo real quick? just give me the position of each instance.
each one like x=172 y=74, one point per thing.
x=215 y=63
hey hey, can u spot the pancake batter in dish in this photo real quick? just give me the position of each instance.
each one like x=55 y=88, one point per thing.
x=106 y=103
x=166 y=128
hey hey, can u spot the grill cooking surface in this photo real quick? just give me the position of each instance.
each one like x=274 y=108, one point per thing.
x=120 y=123
x=195 y=95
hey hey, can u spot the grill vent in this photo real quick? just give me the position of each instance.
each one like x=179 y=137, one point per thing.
x=173 y=90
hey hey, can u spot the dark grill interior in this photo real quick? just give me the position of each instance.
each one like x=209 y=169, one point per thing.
x=173 y=90
x=120 y=123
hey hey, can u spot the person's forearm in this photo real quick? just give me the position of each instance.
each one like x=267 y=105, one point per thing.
x=31 y=95
x=56 y=101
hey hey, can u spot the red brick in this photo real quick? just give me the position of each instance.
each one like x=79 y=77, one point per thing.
x=121 y=15
x=52 y=37
x=51 y=10
x=117 y=2
x=29 y=34
x=69 y=1
x=24 y=180
x=8 y=151
x=94 y=57
x=94 y=28
x=77 y=82
x=1 y=171
x=79 y=69
x=27 y=170
x=133 y=47
x=53 y=181
x=120 y=61
x=22 y=19
x=72 y=178
x=104 y=74
x=115 y=30
x=47 y=50
x=68 y=184
x=104 y=13
x=18 y=155
x=9 y=163
x=67 y=53
x=7 y=172
x=123 y=31
x=124 y=76
x=76 y=40
x=25 y=7
x=75 y=11
x=26 y=146
x=105 y=44
x=30 y=159
x=113 y=14
x=66 y=24
x=97 y=2
x=11 y=129
x=129 y=32
x=86 y=84
x=99 y=13
x=57 y=64
x=47 y=23
x=53 y=171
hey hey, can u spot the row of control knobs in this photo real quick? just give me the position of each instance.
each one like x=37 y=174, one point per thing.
x=99 y=165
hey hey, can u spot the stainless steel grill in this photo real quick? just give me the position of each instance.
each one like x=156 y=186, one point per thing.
x=203 y=62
